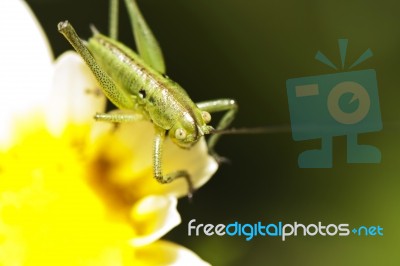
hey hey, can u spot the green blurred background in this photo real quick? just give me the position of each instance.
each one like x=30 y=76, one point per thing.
x=247 y=50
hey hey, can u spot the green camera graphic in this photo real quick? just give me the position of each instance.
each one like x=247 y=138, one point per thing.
x=324 y=106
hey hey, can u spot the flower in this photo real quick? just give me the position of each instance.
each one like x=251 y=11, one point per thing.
x=72 y=191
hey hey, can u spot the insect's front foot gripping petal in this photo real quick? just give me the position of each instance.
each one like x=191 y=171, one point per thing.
x=178 y=174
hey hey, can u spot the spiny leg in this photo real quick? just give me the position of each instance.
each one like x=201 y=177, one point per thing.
x=219 y=105
x=118 y=97
x=113 y=17
x=147 y=45
x=118 y=116
x=157 y=160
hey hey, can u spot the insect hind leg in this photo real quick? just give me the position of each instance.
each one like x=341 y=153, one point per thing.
x=117 y=96
x=146 y=43
x=113 y=19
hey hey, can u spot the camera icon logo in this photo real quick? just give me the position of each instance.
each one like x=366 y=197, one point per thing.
x=339 y=104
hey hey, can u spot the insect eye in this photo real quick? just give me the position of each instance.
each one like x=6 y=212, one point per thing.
x=206 y=116
x=180 y=133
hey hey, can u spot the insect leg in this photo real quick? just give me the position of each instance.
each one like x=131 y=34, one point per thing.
x=147 y=45
x=219 y=105
x=113 y=17
x=119 y=97
x=157 y=160
x=118 y=116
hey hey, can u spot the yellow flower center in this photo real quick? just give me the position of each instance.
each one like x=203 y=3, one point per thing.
x=50 y=209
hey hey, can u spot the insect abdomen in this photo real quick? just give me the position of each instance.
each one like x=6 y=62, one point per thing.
x=155 y=94
x=124 y=67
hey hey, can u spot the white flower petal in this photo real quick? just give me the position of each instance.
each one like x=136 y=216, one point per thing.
x=25 y=63
x=200 y=165
x=76 y=95
x=167 y=253
x=153 y=217
x=139 y=137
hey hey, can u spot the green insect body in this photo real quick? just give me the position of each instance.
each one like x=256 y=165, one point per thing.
x=138 y=86
x=151 y=92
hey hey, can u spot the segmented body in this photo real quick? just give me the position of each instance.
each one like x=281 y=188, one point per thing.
x=152 y=92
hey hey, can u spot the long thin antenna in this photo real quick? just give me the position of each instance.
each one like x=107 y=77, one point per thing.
x=254 y=130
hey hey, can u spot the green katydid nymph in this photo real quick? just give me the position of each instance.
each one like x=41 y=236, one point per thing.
x=138 y=86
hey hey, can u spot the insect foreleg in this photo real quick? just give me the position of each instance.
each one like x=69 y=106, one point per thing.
x=117 y=96
x=118 y=116
x=219 y=105
x=157 y=160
